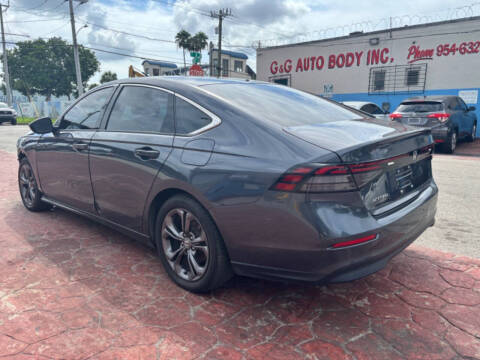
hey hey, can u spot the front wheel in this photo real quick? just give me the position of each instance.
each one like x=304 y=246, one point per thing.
x=13 y=121
x=451 y=143
x=28 y=188
x=473 y=134
x=190 y=246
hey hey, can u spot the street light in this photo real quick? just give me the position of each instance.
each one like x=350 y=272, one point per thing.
x=83 y=27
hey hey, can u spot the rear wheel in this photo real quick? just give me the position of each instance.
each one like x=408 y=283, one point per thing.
x=473 y=134
x=451 y=143
x=29 y=189
x=190 y=246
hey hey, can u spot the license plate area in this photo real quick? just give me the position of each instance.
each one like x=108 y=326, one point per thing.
x=395 y=183
x=416 y=121
x=407 y=178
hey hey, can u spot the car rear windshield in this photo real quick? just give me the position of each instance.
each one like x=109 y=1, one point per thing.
x=420 y=107
x=280 y=104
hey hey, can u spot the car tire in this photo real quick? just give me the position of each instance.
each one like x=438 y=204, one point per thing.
x=29 y=192
x=473 y=134
x=13 y=122
x=190 y=246
x=451 y=143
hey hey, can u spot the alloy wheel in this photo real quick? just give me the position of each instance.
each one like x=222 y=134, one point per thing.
x=28 y=186
x=474 y=132
x=453 y=141
x=185 y=244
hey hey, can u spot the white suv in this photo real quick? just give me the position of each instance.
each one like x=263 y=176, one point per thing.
x=7 y=114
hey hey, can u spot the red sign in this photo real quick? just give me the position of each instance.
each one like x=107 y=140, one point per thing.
x=196 y=70
x=332 y=61
x=415 y=53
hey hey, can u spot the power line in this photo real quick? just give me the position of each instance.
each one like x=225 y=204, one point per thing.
x=56 y=29
x=44 y=13
x=136 y=56
x=128 y=33
x=37 y=20
x=143 y=52
x=32 y=8
x=184 y=5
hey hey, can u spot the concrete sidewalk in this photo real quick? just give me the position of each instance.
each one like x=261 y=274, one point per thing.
x=72 y=289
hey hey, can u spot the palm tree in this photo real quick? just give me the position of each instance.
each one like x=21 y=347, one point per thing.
x=199 y=41
x=183 y=39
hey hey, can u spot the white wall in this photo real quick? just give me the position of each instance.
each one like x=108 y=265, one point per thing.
x=443 y=72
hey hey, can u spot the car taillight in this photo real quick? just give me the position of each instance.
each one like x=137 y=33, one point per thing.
x=330 y=178
x=442 y=117
x=394 y=116
x=316 y=179
x=333 y=178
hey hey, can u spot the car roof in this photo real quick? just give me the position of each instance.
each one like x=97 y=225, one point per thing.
x=179 y=81
x=438 y=98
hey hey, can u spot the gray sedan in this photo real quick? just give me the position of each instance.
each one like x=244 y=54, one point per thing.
x=228 y=177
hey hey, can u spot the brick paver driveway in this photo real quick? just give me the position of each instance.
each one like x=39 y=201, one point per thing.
x=72 y=289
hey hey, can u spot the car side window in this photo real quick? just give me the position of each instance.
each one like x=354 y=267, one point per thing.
x=457 y=105
x=189 y=118
x=142 y=109
x=86 y=114
x=463 y=106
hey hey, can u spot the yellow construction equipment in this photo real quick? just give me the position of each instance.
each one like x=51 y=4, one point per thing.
x=132 y=72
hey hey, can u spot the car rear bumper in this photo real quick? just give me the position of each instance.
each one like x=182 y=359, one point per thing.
x=7 y=118
x=320 y=263
x=440 y=134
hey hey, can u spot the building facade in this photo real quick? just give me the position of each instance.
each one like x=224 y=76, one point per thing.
x=383 y=67
x=157 y=68
x=234 y=64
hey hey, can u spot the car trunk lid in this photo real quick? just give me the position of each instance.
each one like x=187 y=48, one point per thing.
x=389 y=162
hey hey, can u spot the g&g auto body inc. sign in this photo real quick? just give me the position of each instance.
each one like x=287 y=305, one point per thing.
x=332 y=61
x=371 y=57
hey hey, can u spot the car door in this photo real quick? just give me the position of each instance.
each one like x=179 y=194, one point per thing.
x=457 y=116
x=62 y=157
x=128 y=152
x=468 y=118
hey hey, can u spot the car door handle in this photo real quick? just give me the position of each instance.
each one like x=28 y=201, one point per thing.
x=80 y=146
x=147 y=153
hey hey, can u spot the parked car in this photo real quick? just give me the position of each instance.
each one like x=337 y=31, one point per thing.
x=369 y=108
x=7 y=114
x=228 y=177
x=449 y=118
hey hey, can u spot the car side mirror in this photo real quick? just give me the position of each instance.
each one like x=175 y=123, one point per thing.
x=42 y=125
x=472 y=108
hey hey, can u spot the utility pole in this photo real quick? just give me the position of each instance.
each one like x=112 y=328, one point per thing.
x=75 y=50
x=5 y=60
x=220 y=15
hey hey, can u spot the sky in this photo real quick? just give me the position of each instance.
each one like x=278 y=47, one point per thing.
x=147 y=28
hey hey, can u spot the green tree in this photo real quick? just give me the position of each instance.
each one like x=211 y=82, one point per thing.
x=183 y=42
x=48 y=67
x=198 y=42
x=91 y=86
x=108 y=76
